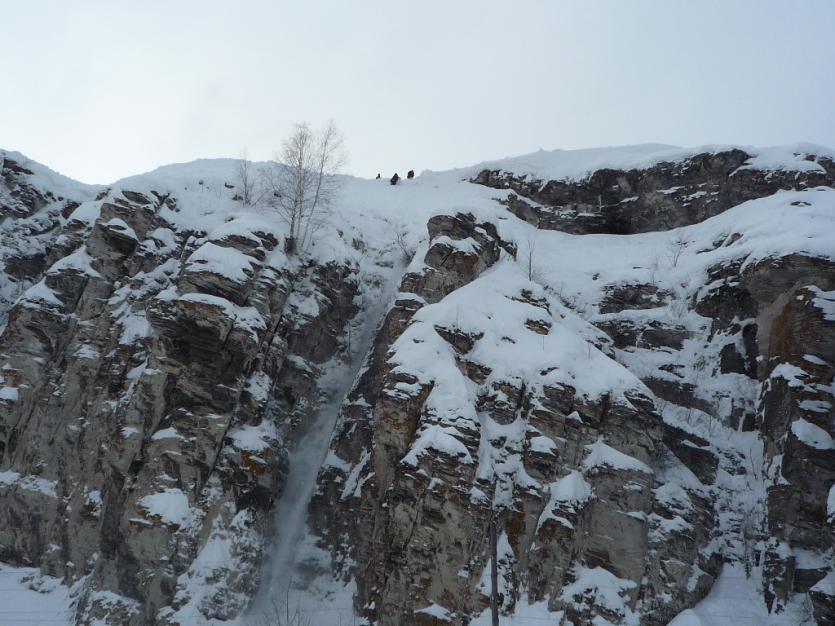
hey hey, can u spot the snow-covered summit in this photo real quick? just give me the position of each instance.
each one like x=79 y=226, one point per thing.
x=46 y=179
x=573 y=165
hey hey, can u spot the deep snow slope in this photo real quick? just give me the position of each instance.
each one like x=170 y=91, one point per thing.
x=624 y=356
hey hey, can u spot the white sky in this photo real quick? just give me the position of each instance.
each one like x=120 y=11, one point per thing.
x=103 y=89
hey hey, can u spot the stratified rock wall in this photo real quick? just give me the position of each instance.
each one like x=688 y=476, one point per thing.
x=153 y=379
x=604 y=509
x=658 y=197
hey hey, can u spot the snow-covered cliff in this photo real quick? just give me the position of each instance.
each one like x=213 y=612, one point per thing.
x=625 y=357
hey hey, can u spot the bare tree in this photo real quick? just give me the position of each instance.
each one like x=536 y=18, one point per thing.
x=675 y=248
x=531 y=255
x=401 y=239
x=300 y=184
x=654 y=267
x=245 y=179
x=281 y=613
x=494 y=573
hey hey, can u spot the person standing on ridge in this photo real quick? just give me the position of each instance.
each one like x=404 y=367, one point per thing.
x=378 y=176
x=395 y=179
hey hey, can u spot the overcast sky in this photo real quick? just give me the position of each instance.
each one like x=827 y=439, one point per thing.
x=104 y=89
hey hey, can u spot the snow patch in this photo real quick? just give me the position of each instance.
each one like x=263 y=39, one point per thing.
x=171 y=507
x=812 y=435
x=602 y=455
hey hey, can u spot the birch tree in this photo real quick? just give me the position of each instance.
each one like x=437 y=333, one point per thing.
x=245 y=178
x=301 y=182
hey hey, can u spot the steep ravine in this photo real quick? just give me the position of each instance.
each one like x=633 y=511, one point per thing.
x=283 y=583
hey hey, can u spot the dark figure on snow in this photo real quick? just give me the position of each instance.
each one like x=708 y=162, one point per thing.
x=378 y=176
x=411 y=174
x=395 y=179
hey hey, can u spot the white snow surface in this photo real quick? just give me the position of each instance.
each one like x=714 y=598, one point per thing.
x=601 y=455
x=46 y=178
x=171 y=506
x=812 y=435
x=35 y=484
x=227 y=262
x=29 y=598
x=735 y=599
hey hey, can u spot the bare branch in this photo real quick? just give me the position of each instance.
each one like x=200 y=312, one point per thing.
x=245 y=179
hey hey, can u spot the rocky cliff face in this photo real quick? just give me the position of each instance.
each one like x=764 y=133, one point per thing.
x=662 y=196
x=629 y=374
x=153 y=377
